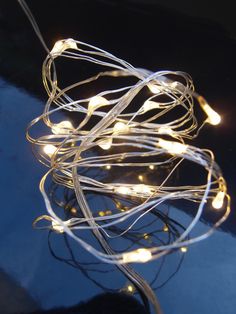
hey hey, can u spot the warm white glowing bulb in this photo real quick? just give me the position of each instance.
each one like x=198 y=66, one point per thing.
x=151 y=167
x=165 y=130
x=62 y=45
x=142 y=188
x=174 y=84
x=213 y=117
x=57 y=227
x=218 y=201
x=49 y=149
x=108 y=167
x=105 y=144
x=173 y=147
x=123 y=190
x=120 y=127
x=149 y=105
x=96 y=102
x=64 y=127
x=140 y=255
x=154 y=88
x=169 y=83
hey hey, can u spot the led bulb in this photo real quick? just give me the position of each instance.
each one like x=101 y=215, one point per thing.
x=64 y=127
x=73 y=210
x=105 y=144
x=57 y=227
x=49 y=149
x=165 y=130
x=218 y=201
x=169 y=83
x=96 y=102
x=154 y=88
x=140 y=255
x=149 y=105
x=142 y=188
x=173 y=147
x=62 y=45
x=174 y=84
x=123 y=190
x=120 y=127
x=151 y=167
x=213 y=117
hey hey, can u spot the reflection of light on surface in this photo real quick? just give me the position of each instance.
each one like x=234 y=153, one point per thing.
x=103 y=213
x=165 y=229
x=140 y=177
x=130 y=288
x=73 y=210
x=183 y=249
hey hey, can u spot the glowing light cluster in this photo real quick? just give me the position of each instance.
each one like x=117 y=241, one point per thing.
x=136 y=134
x=140 y=255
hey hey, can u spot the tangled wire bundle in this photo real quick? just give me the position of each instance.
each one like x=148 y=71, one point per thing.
x=134 y=130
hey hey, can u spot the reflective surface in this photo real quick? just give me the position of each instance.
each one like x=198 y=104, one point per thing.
x=204 y=282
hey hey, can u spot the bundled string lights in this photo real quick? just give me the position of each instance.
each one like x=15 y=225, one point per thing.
x=128 y=133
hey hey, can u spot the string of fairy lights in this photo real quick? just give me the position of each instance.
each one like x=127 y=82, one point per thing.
x=125 y=136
